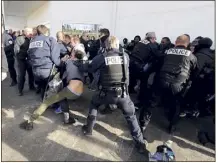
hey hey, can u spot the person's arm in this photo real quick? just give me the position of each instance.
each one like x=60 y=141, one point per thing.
x=55 y=52
x=194 y=68
x=96 y=63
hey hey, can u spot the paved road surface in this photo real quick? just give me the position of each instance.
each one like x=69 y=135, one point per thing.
x=51 y=141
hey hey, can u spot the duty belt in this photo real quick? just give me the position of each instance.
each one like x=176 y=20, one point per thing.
x=117 y=91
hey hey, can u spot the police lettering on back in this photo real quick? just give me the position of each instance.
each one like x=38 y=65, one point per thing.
x=114 y=60
x=179 y=52
x=36 y=44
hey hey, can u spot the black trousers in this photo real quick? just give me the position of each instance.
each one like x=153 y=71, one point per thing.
x=133 y=76
x=42 y=83
x=90 y=77
x=172 y=98
x=125 y=104
x=144 y=97
x=11 y=68
x=24 y=67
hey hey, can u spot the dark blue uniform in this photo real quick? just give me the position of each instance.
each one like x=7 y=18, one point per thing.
x=43 y=53
x=9 y=52
x=114 y=80
x=178 y=69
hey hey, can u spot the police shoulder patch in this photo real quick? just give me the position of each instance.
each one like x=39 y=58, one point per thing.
x=36 y=44
x=113 y=60
x=174 y=51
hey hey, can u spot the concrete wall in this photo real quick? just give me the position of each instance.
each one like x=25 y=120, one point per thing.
x=87 y=12
x=130 y=18
x=40 y=16
x=166 y=18
x=15 y=22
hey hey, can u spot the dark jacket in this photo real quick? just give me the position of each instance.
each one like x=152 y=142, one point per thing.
x=43 y=52
x=143 y=51
x=178 y=66
x=94 y=48
x=8 y=43
x=85 y=43
x=204 y=56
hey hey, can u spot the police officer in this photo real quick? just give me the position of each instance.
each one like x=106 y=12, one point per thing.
x=140 y=55
x=20 y=48
x=178 y=69
x=204 y=84
x=43 y=53
x=114 y=77
x=9 y=52
x=150 y=54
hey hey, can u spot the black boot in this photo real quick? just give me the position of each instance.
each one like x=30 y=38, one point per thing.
x=70 y=121
x=13 y=83
x=86 y=131
x=172 y=129
x=202 y=138
x=141 y=147
x=20 y=93
x=38 y=90
x=26 y=125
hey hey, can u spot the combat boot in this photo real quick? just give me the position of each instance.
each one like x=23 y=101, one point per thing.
x=141 y=147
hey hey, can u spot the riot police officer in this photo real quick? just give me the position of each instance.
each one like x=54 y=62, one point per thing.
x=204 y=84
x=43 y=53
x=9 y=52
x=140 y=55
x=114 y=78
x=176 y=73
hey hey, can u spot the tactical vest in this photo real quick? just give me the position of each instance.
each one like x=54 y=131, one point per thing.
x=177 y=63
x=115 y=71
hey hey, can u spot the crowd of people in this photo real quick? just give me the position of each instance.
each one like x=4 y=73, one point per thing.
x=184 y=77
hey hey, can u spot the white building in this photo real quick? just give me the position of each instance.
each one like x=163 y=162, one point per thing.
x=123 y=18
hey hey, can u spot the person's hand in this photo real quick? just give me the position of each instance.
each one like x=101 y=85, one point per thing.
x=69 y=49
x=65 y=58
